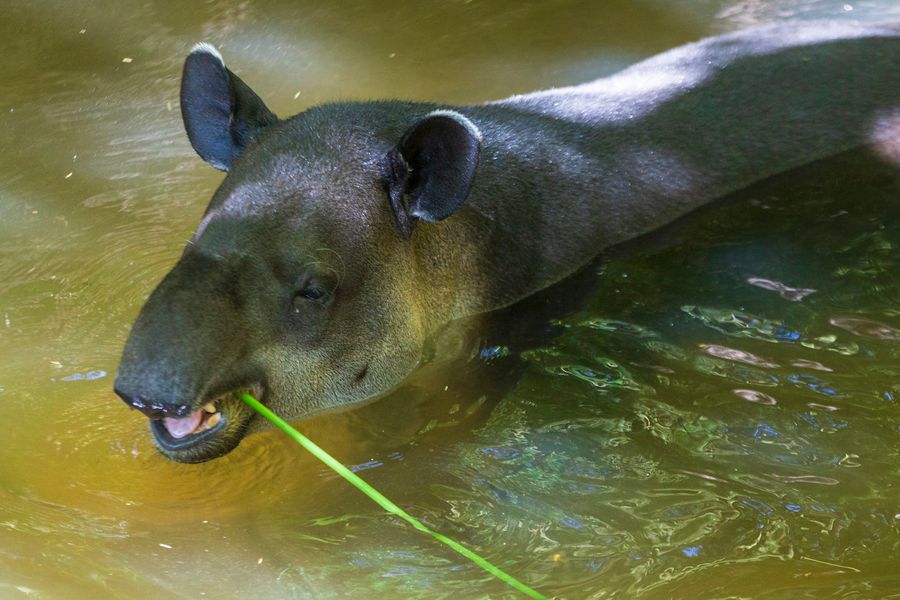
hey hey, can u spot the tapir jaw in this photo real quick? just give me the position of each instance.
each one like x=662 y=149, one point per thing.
x=205 y=429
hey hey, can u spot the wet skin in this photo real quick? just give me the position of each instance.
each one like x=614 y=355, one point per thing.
x=344 y=238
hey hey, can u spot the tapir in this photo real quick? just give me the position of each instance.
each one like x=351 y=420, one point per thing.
x=343 y=238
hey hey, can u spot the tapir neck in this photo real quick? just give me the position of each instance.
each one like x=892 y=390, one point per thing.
x=566 y=172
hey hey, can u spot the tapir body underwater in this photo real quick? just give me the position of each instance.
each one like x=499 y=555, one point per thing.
x=344 y=237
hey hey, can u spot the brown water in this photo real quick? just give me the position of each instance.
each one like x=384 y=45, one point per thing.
x=720 y=419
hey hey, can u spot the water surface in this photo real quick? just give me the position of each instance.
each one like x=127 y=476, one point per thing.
x=718 y=418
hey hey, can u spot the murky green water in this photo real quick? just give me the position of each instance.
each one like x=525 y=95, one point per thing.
x=718 y=419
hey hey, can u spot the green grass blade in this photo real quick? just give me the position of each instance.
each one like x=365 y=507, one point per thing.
x=382 y=501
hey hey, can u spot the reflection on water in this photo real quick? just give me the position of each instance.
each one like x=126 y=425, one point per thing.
x=718 y=419
x=785 y=291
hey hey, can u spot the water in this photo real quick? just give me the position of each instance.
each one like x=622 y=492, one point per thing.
x=718 y=418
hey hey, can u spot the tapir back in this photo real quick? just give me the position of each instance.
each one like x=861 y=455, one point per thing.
x=593 y=165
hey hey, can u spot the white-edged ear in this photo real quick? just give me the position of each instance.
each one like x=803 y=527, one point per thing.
x=221 y=113
x=207 y=49
x=430 y=171
x=459 y=117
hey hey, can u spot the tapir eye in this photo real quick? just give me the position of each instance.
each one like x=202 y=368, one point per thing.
x=310 y=292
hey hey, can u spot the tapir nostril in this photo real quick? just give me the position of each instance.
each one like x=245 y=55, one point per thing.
x=154 y=409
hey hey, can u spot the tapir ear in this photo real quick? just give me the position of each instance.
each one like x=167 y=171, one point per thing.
x=221 y=113
x=429 y=173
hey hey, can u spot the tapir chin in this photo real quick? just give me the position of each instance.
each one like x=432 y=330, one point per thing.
x=342 y=238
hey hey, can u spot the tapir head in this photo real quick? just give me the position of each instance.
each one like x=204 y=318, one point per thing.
x=302 y=282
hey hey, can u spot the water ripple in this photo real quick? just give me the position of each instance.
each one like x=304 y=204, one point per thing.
x=735 y=323
x=867 y=328
x=788 y=293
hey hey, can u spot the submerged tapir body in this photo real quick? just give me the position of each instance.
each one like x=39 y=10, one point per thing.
x=345 y=236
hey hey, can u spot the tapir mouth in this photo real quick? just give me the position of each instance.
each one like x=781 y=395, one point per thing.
x=208 y=432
